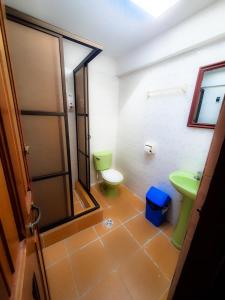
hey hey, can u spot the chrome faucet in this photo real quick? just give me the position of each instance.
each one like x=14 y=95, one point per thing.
x=198 y=175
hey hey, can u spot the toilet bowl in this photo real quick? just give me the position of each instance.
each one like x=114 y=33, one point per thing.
x=111 y=178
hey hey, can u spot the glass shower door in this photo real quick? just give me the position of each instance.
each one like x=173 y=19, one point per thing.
x=82 y=124
x=36 y=65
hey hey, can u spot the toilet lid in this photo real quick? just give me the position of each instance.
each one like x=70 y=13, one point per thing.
x=112 y=176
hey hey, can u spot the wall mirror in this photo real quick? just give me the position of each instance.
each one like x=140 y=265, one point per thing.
x=208 y=96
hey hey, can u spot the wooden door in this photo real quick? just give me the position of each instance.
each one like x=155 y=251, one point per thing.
x=22 y=272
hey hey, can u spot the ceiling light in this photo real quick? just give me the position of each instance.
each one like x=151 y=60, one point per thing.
x=155 y=7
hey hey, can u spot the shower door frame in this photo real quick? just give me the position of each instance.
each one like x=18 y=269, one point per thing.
x=29 y=21
x=85 y=115
x=63 y=114
x=84 y=64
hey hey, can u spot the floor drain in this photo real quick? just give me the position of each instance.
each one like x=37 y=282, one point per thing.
x=108 y=223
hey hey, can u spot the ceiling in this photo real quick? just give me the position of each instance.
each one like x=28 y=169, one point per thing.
x=119 y=25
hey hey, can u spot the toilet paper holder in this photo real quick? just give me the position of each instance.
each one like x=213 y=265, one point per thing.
x=149 y=148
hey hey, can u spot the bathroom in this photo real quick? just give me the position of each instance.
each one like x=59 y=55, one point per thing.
x=124 y=125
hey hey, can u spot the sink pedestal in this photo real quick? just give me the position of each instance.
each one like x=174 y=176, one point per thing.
x=181 y=227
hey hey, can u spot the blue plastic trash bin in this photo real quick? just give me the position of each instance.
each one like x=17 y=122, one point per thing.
x=157 y=203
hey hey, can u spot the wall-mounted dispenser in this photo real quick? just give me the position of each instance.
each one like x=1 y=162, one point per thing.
x=70 y=102
x=150 y=148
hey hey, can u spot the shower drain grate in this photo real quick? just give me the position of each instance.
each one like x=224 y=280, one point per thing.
x=108 y=223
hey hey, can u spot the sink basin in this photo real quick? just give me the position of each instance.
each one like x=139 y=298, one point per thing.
x=186 y=184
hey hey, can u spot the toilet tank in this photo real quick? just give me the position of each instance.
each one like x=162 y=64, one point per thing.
x=102 y=160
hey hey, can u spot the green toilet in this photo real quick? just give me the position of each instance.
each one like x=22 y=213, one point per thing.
x=111 y=177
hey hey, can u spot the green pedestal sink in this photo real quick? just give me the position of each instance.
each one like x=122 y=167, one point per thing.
x=186 y=184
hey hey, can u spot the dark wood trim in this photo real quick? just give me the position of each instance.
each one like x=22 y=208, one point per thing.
x=195 y=101
x=11 y=182
x=48 y=176
x=6 y=248
x=14 y=96
x=5 y=280
x=40 y=260
x=35 y=288
x=43 y=262
x=18 y=16
x=41 y=113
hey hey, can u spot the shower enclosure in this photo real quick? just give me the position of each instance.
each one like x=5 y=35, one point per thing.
x=36 y=50
x=82 y=125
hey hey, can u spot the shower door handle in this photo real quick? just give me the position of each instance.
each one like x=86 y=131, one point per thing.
x=38 y=217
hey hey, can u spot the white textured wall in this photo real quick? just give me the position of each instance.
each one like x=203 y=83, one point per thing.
x=103 y=106
x=206 y=26
x=162 y=119
x=103 y=102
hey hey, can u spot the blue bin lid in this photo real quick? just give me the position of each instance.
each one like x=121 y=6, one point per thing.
x=158 y=197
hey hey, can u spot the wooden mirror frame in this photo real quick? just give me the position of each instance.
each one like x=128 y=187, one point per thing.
x=195 y=101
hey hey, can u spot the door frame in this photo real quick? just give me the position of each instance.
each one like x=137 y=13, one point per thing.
x=210 y=171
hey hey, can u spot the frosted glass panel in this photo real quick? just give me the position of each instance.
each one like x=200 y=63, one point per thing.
x=81 y=133
x=82 y=168
x=51 y=196
x=80 y=95
x=36 y=66
x=46 y=138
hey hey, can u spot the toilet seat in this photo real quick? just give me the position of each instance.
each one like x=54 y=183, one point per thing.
x=112 y=176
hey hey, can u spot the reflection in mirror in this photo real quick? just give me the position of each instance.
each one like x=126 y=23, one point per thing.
x=208 y=96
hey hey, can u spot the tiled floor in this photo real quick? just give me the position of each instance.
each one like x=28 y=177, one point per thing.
x=131 y=260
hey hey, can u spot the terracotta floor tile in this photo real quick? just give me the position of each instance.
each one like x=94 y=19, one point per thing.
x=102 y=229
x=141 y=228
x=90 y=264
x=80 y=239
x=60 y=279
x=137 y=203
x=167 y=228
x=110 y=288
x=142 y=278
x=54 y=253
x=164 y=254
x=102 y=200
x=124 y=211
x=133 y=199
x=114 y=266
x=120 y=245
x=110 y=213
